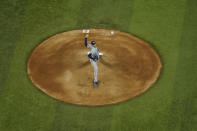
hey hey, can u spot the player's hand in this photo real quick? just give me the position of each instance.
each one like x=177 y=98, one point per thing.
x=86 y=35
x=86 y=32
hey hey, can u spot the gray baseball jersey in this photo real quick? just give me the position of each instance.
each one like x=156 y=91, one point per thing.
x=94 y=51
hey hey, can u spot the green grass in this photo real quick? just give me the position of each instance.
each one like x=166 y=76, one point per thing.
x=169 y=26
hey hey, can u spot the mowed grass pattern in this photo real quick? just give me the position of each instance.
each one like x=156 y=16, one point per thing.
x=170 y=27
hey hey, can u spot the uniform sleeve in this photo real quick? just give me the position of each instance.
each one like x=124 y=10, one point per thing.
x=86 y=43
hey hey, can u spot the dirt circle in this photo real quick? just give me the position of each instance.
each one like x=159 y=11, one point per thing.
x=60 y=67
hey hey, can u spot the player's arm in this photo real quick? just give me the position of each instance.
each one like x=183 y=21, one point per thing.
x=86 y=41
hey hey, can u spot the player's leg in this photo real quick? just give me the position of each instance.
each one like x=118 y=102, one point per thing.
x=95 y=71
x=94 y=64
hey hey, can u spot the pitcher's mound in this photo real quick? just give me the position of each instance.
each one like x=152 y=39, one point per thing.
x=60 y=67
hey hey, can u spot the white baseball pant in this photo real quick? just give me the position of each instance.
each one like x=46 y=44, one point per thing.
x=94 y=64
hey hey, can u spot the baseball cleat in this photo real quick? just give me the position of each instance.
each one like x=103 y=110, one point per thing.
x=95 y=83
